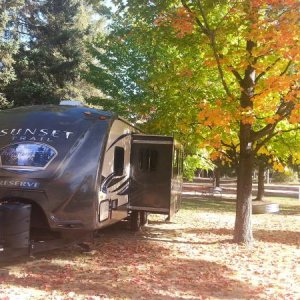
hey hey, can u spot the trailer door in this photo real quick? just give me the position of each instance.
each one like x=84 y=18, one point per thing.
x=151 y=172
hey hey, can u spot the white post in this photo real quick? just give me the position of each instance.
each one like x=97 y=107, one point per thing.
x=268 y=176
x=299 y=193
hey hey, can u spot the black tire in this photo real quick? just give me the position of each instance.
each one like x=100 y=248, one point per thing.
x=144 y=218
x=135 y=220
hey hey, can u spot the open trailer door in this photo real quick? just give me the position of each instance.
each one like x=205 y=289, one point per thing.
x=152 y=175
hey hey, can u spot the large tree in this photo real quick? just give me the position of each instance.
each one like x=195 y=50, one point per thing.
x=8 y=44
x=255 y=46
x=234 y=63
x=52 y=53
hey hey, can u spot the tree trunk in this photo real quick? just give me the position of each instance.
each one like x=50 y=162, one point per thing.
x=261 y=182
x=243 y=225
x=217 y=177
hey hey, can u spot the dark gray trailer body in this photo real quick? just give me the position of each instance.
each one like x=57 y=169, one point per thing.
x=79 y=171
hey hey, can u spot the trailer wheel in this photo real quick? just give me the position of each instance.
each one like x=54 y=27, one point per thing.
x=144 y=218
x=135 y=220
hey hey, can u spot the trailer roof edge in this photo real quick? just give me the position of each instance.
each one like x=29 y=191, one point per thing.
x=130 y=124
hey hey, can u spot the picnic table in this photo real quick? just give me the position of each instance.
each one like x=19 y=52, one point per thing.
x=210 y=191
x=204 y=190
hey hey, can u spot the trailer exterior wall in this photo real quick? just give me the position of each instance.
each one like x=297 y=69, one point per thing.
x=114 y=188
x=67 y=190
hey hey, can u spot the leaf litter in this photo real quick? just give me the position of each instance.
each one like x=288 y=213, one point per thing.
x=192 y=257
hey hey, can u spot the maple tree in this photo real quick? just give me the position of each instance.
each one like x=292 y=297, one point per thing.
x=254 y=46
x=224 y=74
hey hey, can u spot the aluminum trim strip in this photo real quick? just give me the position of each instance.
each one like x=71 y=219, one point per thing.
x=149 y=209
x=152 y=142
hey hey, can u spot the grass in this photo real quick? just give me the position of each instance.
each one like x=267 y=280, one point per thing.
x=288 y=206
x=209 y=204
x=192 y=257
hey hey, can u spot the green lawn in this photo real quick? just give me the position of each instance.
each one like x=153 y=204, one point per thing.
x=288 y=206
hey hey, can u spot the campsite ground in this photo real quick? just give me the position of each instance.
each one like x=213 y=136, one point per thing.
x=192 y=257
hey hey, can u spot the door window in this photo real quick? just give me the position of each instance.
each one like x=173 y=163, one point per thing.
x=148 y=160
x=119 y=161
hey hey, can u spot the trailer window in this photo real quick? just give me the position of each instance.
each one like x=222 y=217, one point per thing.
x=27 y=156
x=148 y=160
x=119 y=161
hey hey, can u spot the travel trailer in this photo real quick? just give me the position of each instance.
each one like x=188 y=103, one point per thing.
x=68 y=171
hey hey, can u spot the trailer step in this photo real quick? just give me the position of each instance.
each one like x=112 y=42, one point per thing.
x=42 y=246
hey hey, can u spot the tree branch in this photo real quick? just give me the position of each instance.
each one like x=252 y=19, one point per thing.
x=231 y=157
x=286 y=68
x=266 y=70
x=211 y=35
x=225 y=16
x=231 y=153
x=268 y=138
x=199 y=23
x=283 y=111
x=236 y=75
x=227 y=145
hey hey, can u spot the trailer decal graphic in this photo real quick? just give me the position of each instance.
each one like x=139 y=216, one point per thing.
x=124 y=192
x=110 y=181
x=20 y=184
x=27 y=156
x=115 y=180
x=118 y=139
x=106 y=181
x=121 y=186
x=35 y=134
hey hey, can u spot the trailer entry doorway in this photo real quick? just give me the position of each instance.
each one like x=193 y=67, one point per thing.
x=151 y=174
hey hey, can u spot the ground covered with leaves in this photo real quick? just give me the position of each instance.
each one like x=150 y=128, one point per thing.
x=192 y=257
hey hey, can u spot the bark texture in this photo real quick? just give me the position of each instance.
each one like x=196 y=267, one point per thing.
x=243 y=224
x=261 y=182
x=217 y=177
